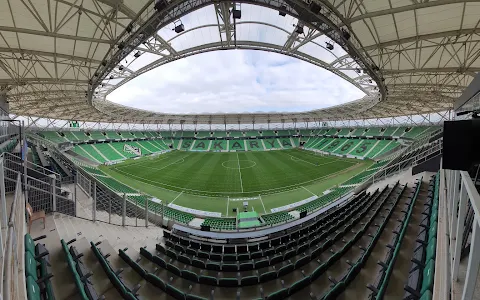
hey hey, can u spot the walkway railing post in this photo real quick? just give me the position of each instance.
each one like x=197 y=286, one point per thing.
x=473 y=261
x=54 y=193
x=124 y=209
x=3 y=200
x=75 y=194
x=146 y=212
x=94 y=202
x=458 y=231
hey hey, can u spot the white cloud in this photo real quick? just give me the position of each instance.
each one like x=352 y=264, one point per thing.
x=235 y=81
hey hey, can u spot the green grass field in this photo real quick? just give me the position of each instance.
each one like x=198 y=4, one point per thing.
x=215 y=181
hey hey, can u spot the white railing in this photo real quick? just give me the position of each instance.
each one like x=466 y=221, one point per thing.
x=457 y=191
x=13 y=259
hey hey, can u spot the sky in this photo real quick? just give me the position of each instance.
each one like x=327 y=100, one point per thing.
x=232 y=81
x=235 y=81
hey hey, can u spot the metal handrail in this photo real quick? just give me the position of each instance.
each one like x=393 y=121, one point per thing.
x=11 y=263
x=460 y=191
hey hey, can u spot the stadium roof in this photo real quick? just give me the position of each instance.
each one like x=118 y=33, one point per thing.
x=60 y=58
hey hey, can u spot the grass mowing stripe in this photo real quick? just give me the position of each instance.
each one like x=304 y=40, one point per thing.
x=240 y=171
x=206 y=174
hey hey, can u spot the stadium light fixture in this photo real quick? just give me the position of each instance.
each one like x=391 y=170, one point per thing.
x=346 y=34
x=329 y=46
x=237 y=12
x=282 y=10
x=179 y=27
x=299 y=29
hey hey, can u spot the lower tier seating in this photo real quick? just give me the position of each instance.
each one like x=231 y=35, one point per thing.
x=277 y=218
x=221 y=223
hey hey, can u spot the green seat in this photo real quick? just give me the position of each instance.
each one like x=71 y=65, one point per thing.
x=431 y=249
x=48 y=284
x=280 y=294
x=29 y=244
x=433 y=231
x=30 y=266
x=174 y=292
x=335 y=291
x=428 y=276
x=426 y=296
x=33 y=290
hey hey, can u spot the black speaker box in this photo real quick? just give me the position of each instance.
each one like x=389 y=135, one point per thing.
x=303 y=214
x=460 y=144
x=204 y=228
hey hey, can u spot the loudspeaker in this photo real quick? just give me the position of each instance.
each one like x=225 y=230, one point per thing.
x=460 y=144
x=315 y=8
x=160 y=4
x=303 y=214
x=204 y=228
x=237 y=14
x=234 y=209
x=179 y=28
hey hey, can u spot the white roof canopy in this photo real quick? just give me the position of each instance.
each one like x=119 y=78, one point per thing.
x=408 y=57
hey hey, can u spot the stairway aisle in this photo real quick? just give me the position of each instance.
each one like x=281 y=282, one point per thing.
x=357 y=289
x=402 y=265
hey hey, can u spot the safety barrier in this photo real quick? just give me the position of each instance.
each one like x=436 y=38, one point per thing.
x=459 y=196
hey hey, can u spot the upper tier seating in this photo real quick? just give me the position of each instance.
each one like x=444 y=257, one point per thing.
x=203 y=134
x=374 y=131
x=344 y=131
x=268 y=133
x=115 y=185
x=235 y=133
x=126 y=135
x=108 y=151
x=97 y=135
x=53 y=136
x=112 y=135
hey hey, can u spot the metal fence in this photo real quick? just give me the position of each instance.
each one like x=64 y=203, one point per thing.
x=408 y=159
x=99 y=203
x=458 y=194
x=11 y=251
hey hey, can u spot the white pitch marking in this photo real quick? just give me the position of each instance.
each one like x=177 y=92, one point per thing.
x=228 y=201
x=308 y=190
x=176 y=197
x=240 y=171
x=260 y=196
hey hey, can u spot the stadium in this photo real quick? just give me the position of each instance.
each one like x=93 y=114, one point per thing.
x=330 y=152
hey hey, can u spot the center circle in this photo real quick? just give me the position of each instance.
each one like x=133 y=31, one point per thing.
x=238 y=164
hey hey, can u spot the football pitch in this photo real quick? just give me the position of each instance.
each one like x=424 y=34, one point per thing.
x=220 y=181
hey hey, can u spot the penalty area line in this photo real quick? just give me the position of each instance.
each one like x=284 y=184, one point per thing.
x=228 y=202
x=176 y=197
x=260 y=196
x=309 y=191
